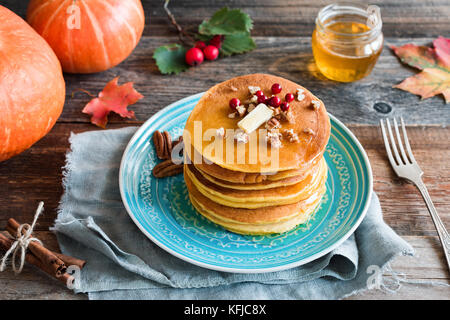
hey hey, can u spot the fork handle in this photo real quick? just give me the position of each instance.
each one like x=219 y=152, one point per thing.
x=444 y=237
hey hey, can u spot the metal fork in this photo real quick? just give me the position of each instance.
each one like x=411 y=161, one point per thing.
x=406 y=167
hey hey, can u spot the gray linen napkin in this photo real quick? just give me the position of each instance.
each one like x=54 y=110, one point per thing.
x=122 y=263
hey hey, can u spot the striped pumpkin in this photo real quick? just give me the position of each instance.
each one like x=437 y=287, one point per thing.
x=88 y=35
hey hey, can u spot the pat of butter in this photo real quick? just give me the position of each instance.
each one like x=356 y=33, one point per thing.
x=255 y=118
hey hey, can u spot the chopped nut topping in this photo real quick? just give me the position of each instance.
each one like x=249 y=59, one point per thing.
x=232 y=115
x=285 y=116
x=290 y=135
x=315 y=104
x=250 y=107
x=273 y=124
x=273 y=137
x=253 y=89
x=300 y=95
x=309 y=131
x=241 y=110
x=253 y=99
x=241 y=136
x=276 y=112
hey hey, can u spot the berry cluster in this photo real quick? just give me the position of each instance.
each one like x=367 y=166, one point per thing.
x=272 y=101
x=201 y=50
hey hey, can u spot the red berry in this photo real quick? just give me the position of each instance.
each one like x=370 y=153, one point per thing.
x=274 y=101
x=194 y=56
x=289 y=97
x=216 y=41
x=262 y=99
x=200 y=44
x=259 y=93
x=276 y=88
x=211 y=52
x=284 y=106
x=234 y=103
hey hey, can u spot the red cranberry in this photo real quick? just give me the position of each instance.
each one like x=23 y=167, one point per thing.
x=211 y=52
x=289 y=97
x=276 y=88
x=200 y=44
x=234 y=103
x=284 y=106
x=262 y=99
x=194 y=56
x=274 y=101
x=216 y=41
x=259 y=93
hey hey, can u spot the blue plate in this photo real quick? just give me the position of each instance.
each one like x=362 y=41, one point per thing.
x=162 y=210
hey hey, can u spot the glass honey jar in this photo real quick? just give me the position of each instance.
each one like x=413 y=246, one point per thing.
x=347 y=40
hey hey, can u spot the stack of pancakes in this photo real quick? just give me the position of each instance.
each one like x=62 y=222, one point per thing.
x=257 y=197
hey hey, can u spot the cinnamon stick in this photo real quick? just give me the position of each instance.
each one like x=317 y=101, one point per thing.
x=12 y=228
x=46 y=256
x=6 y=243
x=70 y=261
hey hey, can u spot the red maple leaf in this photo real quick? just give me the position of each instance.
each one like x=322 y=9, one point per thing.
x=112 y=98
x=435 y=65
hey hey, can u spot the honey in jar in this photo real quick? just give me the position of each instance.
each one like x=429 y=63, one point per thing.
x=347 y=41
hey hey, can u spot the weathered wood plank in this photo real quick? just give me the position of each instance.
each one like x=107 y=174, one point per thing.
x=33 y=283
x=289 y=18
x=406 y=291
x=36 y=175
x=350 y=102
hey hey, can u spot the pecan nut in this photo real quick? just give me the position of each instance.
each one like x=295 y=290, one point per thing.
x=290 y=135
x=167 y=145
x=163 y=144
x=158 y=142
x=285 y=116
x=273 y=123
x=179 y=140
x=181 y=148
x=166 y=169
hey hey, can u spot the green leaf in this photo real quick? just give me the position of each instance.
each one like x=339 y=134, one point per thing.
x=226 y=22
x=237 y=43
x=170 y=58
x=203 y=37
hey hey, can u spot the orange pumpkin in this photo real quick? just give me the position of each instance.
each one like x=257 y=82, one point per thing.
x=88 y=35
x=32 y=88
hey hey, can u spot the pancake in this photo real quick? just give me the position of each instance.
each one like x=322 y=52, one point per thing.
x=259 y=198
x=259 y=229
x=265 y=220
x=266 y=184
x=212 y=112
x=221 y=173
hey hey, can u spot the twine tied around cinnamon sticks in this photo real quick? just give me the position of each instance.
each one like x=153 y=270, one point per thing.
x=55 y=264
x=22 y=242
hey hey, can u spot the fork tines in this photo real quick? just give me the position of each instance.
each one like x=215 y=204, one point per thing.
x=391 y=144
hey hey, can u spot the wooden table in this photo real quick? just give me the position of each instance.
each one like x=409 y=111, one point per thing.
x=282 y=32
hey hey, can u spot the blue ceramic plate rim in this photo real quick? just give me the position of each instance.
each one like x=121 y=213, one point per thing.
x=144 y=127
